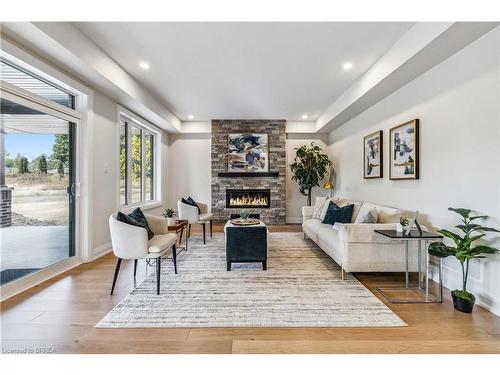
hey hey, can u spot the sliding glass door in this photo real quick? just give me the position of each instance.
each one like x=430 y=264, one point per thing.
x=37 y=186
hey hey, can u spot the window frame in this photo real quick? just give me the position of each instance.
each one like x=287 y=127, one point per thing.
x=131 y=119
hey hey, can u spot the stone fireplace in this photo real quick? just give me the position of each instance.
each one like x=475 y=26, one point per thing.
x=262 y=193
x=251 y=198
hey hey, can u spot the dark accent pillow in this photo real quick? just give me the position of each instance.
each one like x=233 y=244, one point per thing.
x=192 y=202
x=336 y=214
x=137 y=219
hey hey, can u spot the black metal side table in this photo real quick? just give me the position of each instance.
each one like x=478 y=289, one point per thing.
x=423 y=237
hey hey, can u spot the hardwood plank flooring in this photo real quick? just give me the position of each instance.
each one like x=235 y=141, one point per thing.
x=61 y=314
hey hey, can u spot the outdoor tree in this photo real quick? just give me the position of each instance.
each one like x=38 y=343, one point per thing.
x=22 y=165
x=42 y=164
x=60 y=152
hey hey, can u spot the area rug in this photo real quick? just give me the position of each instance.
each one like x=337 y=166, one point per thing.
x=302 y=287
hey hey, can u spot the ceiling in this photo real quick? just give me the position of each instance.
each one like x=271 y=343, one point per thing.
x=245 y=70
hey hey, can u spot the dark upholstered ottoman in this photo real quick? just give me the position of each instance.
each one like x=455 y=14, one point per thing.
x=246 y=244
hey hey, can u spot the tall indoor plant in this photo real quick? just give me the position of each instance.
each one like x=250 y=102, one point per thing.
x=308 y=168
x=464 y=251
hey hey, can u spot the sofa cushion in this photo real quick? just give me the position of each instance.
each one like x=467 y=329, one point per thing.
x=357 y=205
x=385 y=214
x=318 y=207
x=336 y=214
x=367 y=214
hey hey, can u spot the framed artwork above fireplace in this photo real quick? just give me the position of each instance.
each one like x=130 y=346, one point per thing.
x=248 y=153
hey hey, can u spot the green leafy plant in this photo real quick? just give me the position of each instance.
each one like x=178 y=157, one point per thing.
x=169 y=212
x=404 y=221
x=309 y=167
x=244 y=214
x=464 y=249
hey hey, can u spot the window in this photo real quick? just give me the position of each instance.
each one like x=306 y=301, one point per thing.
x=27 y=81
x=137 y=162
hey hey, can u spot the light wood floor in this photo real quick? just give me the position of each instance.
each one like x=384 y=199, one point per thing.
x=61 y=313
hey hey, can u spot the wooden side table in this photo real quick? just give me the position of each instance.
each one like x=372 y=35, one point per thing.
x=180 y=227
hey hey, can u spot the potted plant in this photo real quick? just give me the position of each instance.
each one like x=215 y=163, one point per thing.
x=464 y=251
x=244 y=214
x=308 y=168
x=404 y=222
x=169 y=214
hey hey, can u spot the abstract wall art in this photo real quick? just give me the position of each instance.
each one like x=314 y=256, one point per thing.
x=248 y=152
x=373 y=155
x=403 y=151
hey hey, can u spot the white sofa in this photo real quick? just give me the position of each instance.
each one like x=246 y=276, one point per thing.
x=356 y=247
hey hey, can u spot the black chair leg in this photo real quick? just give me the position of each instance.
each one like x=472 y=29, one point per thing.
x=211 y=229
x=228 y=265
x=189 y=230
x=174 y=257
x=264 y=265
x=117 y=269
x=135 y=267
x=158 y=268
x=203 y=233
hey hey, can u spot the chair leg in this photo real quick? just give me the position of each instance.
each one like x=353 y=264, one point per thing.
x=211 y=234
x=117 y=269
x=228 y=265
x=264 y=265
x=135 y=267
x=203 y=233
x=189 y=230
x=174 y=257
x=158 y=268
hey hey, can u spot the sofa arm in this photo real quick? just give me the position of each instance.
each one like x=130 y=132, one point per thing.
x=307 y=212
x=363 y=233
x=158 y=224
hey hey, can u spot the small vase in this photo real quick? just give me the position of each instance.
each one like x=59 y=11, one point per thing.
x=170 y=221
x=399 y=228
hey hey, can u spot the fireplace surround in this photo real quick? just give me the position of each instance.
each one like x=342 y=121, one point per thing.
x=248 y=198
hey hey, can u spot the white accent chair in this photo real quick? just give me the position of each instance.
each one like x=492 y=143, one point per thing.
x=131 y=242
x=191 y=214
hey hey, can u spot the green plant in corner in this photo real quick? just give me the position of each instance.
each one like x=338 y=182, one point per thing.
x=464 y=250
x=309 y=167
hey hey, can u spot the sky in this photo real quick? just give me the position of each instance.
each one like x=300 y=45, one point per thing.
x=29 y=145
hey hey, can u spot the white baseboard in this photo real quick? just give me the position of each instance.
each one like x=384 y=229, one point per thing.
x=294 y=220
x=452 y=279
x=101 y=251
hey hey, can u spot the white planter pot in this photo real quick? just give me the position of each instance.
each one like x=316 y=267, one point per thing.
x=170 y=221
x=399 y=228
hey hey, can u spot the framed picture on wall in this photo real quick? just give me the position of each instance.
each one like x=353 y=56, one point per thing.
x=248 y=152
x=372 y=155
x=403 y=151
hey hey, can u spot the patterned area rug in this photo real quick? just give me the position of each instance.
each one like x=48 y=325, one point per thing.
x=302 y=287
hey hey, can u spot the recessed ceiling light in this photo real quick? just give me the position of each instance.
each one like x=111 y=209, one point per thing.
x=144 y=65
x=304 y=116
x=190 y=117
x=347 y=65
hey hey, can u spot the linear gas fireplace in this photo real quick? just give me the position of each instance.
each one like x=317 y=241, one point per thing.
x=248 y=198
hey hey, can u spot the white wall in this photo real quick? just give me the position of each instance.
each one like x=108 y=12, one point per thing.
x=189 y=168
x=294 y=199
x=106 y=169
x=457 y=103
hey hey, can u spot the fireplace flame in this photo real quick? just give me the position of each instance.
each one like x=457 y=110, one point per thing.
x=248 y=200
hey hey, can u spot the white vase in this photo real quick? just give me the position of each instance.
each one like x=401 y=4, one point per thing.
x=399 y=228
x=170 y=221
